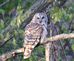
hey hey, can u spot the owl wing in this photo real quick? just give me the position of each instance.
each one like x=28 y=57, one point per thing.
x=33 y=33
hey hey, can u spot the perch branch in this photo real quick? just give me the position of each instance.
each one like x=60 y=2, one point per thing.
x=47 y=51
x=7 y=55
x=59 y=37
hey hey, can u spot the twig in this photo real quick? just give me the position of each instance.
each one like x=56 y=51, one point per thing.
x=5 y=41
x=4 y=3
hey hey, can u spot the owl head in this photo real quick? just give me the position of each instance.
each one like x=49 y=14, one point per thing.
x=40 y=18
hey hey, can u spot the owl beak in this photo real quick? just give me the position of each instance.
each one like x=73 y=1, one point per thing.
x=40 y=21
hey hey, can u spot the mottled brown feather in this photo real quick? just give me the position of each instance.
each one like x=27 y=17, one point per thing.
x=33 y=33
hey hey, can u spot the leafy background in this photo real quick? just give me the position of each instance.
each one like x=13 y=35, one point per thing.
x=11 y=16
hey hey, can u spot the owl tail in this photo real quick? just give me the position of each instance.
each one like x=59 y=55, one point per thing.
x=27 y=51
x=28 y=48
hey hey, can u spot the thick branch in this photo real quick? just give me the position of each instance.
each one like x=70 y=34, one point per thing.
x=53 y=38
x=59 y=37
x=7 y=55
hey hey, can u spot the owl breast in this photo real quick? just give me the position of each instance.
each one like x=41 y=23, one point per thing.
x=34 y=30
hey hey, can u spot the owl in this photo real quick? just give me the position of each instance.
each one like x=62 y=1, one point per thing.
x=35 y=32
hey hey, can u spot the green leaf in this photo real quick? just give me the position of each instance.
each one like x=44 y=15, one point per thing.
x=2 y=11
x=1 y=24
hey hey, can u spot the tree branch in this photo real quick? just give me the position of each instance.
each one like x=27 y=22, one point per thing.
x=7 y=55
x=58 y=37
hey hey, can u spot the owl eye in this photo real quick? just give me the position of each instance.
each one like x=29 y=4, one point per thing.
x=37 y=17
x=43 y=17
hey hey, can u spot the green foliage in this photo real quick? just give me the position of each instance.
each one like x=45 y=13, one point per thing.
x=57 y=14
x=28 y=4
x=1 y=24
x=9 y=5
x=1 y=36
x=2 y=11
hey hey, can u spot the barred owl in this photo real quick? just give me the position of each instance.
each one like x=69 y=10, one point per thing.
x=35 y=32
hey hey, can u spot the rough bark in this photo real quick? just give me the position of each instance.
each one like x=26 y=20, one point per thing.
x=59 y=37
x=13 y=53
x=48 y=51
